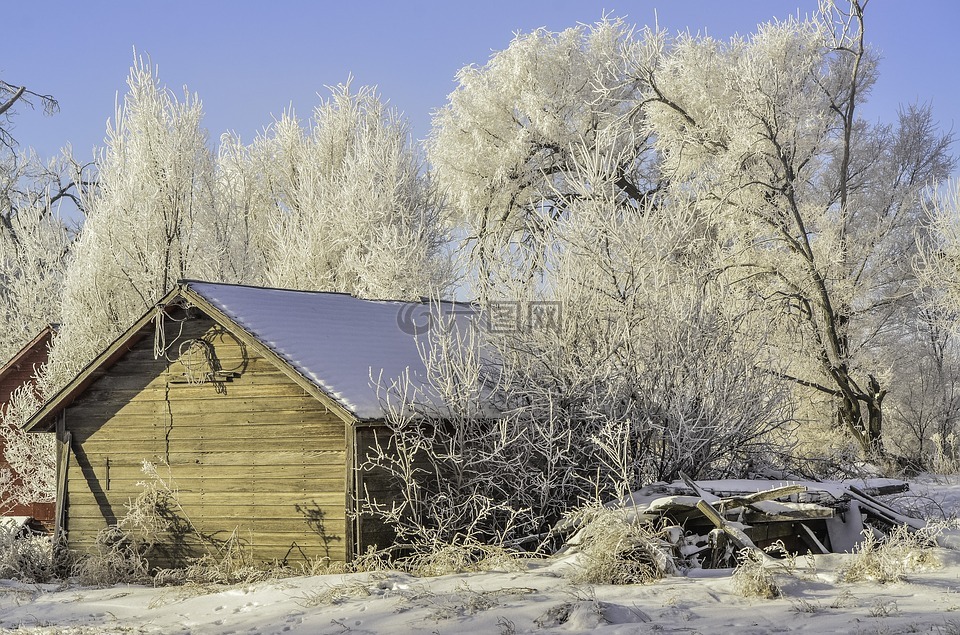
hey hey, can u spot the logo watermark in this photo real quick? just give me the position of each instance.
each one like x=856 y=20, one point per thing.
x=513 y=316
x=499 y=316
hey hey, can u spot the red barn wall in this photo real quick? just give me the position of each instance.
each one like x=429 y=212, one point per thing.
x=14 y=374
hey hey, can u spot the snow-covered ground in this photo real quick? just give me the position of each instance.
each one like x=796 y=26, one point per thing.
x=535 y=598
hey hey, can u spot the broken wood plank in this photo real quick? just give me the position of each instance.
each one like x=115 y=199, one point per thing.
x=701 y=493
x=895 y=516
x=63 y=466
x=736 y=535
x=749 y=499
x=875 y=488
x=787 y=515
x=812 y=540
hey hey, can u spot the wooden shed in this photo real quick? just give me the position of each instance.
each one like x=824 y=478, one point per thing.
x=20 y=371
x=255 y=403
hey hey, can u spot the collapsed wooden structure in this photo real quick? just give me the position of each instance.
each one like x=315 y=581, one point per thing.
x=720 y=518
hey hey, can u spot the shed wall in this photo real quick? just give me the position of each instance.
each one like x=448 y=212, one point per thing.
x=255 y=457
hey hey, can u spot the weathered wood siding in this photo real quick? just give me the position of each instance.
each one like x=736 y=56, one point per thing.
x=255 y=457
x=371 y=531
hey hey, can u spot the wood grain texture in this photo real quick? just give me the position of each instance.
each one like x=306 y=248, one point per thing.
x=257 y=456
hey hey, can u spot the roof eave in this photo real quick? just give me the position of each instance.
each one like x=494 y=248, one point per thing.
x=68 y=393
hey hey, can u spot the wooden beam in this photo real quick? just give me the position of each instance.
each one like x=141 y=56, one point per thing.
x=812 y=540
x=749 y=499
x=63 y=464
x=735 y=534
x=883 y=511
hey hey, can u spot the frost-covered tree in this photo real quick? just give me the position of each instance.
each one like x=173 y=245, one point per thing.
x=817 y=209
x=245 y=214
x=10 y=96
x=938 y=265
x=33 y=239
x=503 y=145
x=353 y=209
x=630 y=364
x=149 y=223
x=34 y=245
x=933 y=415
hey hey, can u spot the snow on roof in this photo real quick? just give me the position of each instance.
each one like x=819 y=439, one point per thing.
x=340 y=343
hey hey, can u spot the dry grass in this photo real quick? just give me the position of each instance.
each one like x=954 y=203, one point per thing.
x=465 y=557
x=119 y=559
x=615 y=549
x=25 y=557
x=752 y=579
x=889 y=558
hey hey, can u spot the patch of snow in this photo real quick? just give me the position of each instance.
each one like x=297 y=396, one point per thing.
x=539 y=598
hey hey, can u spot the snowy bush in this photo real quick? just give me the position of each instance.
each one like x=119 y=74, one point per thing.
x=29 y=475
x=752 y=578
x=889 y=558
x=155 y=522
x=613 y=548
x=459 y=558
x=118 y=559
x=946 y=458
x=25 y=557
x=121 y=549
x=227 y=563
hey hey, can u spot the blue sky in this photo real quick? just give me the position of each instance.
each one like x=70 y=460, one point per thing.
x=250 y=60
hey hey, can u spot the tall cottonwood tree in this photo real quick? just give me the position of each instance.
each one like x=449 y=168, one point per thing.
x=352 y=208
x=507 y=145
x=631 y=363
x=34 y=246
x=817 y=208
x=34 y=240
x=148 y=223
x=939 y=263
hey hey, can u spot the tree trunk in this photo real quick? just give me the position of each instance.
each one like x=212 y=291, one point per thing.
x=863 y=418
x=861 y=414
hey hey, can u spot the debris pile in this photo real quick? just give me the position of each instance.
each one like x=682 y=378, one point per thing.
x=707 y=523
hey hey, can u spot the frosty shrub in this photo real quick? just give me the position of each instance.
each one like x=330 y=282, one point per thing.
x=889 y=558
x=459 y=558
x=29 y=474
x=370 y=561
x=122 y=550
x=227 y=563
x=24 y=557
x=752 y=579
x=615 y=549
x=118 y=559
x=946 y=458
x=335 y=594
